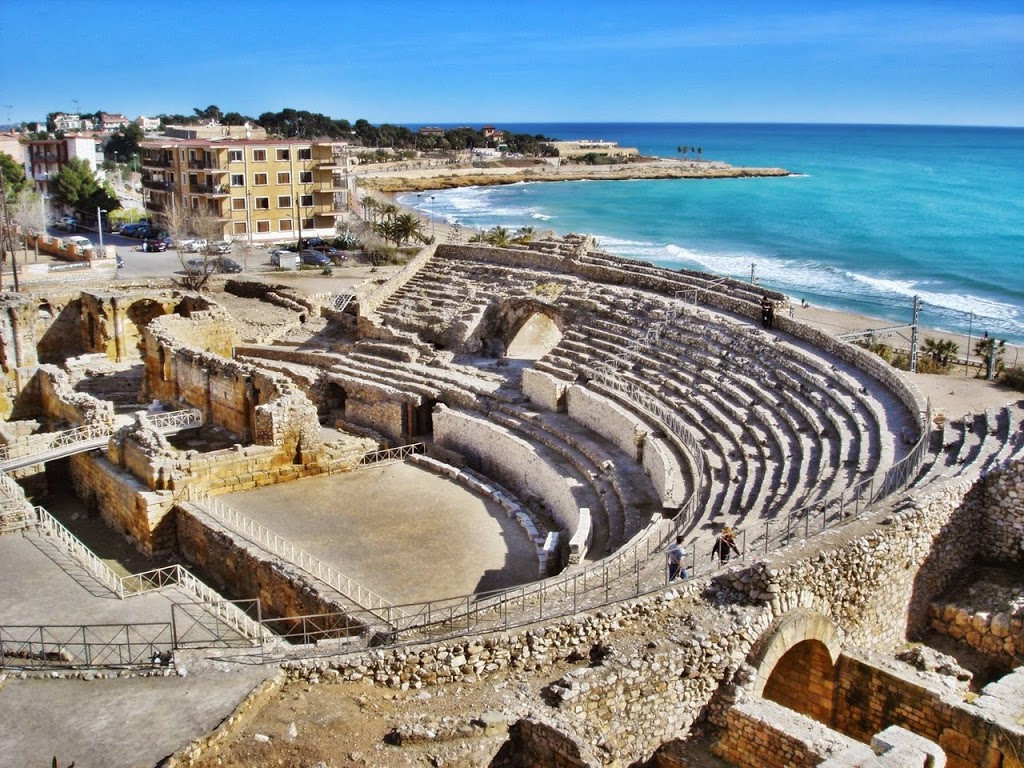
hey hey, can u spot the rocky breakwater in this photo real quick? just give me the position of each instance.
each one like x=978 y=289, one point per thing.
x=421 y=180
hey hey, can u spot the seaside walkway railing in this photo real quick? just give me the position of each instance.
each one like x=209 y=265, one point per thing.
x=47 y=446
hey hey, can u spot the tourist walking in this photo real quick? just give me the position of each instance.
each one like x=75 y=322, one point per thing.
x=725 y=546
x=765 y=304
x=677 y=561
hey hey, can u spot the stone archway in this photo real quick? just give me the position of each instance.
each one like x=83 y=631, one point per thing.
x=795 y=663
x=534 y=338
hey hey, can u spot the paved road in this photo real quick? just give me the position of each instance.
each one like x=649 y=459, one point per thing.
x=138 y=264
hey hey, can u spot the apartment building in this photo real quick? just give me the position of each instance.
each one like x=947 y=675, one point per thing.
x=257 y=189
x=44 y=157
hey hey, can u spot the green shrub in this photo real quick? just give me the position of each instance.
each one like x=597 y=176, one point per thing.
x=1013 y=377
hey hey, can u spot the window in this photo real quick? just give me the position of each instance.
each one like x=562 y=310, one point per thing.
x=263 y=225
x=284 y=225
x=283 y=177
x=262 y=204
x=306 y=177
x=195 y=203
x=237 y=203
x=305 y=153
x=239 y=228
x=237 y=179
x=305 y=201
x=307 y=223
x=259 y=155
x=284 y=154
x=193 y=180
x=260 y=179
x=284 y=201
x=234 y=155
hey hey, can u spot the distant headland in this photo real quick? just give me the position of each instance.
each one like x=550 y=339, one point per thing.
x=420 y=177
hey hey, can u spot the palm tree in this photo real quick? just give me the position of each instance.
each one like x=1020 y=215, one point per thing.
x=388 y=210
x=407 y=227
x=700 y=151
x=942 y=351
x=525 y=235
x=983 y=349
x=499 y=237
x=370 y=208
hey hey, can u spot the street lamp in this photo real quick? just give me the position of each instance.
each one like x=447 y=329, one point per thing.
x=431 y=217
x=99 y=228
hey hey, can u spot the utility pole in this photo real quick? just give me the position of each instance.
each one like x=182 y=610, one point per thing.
x=913 y=334
x=967 y=357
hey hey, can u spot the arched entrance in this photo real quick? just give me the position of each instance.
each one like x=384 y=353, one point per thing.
x=803 y=681
x=534 y=338
x=795 y=664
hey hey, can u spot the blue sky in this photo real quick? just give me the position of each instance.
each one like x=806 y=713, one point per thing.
x=450 y=61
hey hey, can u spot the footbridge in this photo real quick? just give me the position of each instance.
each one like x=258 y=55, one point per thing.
x=44 y=447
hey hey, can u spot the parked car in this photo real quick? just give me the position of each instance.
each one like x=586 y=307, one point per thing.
x=223 y=264
x=153 y=245
x=314 y=258
x=192 y=245
x=67 y=223
x=316 y=243
x=220 y=246
x=129 y=230
x=275 y=255
x=80 y=242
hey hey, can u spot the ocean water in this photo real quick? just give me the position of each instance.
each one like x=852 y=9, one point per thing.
x=874 y=216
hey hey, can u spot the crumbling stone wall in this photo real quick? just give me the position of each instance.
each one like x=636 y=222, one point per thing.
x=763 y=734
x=998 y=634
x=986 y=731
x=1002 y=497
x=259 y=406
x=62 y=405
x=18 y=356
x=873 y=581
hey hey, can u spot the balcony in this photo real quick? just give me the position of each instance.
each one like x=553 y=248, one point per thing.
x=217 y=190
x=207 y=164
x=160 y=186
x=156 y=162
x=330 y=186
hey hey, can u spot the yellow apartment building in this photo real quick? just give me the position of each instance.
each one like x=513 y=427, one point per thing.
x=258 y=189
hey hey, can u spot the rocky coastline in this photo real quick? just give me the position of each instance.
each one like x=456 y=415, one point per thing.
x=394 y=181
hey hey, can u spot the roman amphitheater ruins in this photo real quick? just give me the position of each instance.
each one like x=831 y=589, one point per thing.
x=470 y=468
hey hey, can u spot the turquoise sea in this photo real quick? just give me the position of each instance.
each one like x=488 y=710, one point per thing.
x=875 y=216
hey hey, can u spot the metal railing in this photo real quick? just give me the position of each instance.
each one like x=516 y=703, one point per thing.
x=49 y=525
x=50 y=445
x=401 y=453
x=85 y=646
x=363 y=597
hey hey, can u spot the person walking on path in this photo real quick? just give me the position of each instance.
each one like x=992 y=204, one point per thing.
x=677 y=561
x=725 y=546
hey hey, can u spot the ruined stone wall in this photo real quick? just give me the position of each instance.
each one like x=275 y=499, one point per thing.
x=1002 y=496
x=58 y=328
x=983 y=732
x=18 y=356
x=384 y=416
x=511 y=461
x=543 y=389
x=242 y=571
x=997 y=634
x=124 y=503
x=763 y=734
x=259 y=406
x=61 y=404
x=873 y=581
